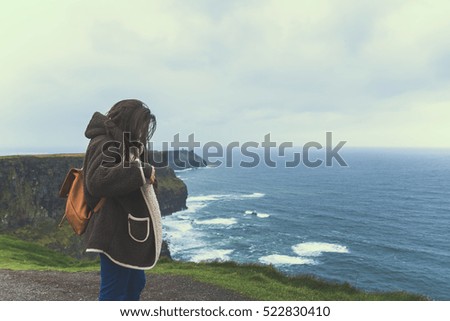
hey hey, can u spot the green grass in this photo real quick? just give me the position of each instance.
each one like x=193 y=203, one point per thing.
x=16 y=254
x=257 y=282
x=43 y=155
x=261 y=282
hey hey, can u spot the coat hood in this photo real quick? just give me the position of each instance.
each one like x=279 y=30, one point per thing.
x=96 y=126
x=102 y=125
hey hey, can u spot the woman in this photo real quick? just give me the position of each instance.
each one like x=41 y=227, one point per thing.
x=127 y=230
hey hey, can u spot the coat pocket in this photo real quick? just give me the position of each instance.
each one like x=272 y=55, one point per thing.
x=138 y=228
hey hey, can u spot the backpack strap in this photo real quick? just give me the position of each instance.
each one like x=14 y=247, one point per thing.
x=68 y=181
x=99 y=205
x=62 y=220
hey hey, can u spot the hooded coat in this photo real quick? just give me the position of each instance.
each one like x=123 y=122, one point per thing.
x=127 y=228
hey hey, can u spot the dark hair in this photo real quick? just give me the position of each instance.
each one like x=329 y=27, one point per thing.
x=134 y=117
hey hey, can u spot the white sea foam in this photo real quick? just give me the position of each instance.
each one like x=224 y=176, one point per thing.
x=277 y=259
x=195 y=203
x=181 y=234
x=183 y=170
x=248 y=212
x=178 y=226
x=212 y=255
x=263 y=215
x=215 y=197
x=193 y=207
x=253 y=195
x=317 y=248
x=217 y=221
x=207 y=198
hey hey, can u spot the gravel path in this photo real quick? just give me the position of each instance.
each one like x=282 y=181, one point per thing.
x=65 y=286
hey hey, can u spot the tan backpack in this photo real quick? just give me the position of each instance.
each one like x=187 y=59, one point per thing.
x=77 y=211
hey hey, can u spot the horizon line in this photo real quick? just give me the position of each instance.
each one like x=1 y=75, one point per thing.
x=77 y=153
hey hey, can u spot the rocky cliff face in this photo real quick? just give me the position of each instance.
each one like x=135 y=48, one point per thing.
x=176 y=159
x=30 y=206
x=29 y=187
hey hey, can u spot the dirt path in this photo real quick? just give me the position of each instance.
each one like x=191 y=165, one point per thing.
x=64 y=286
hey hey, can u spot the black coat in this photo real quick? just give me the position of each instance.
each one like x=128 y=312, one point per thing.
x=128 y=227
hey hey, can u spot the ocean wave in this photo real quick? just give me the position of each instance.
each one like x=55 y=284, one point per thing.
x=181 y=234
x=182 y=170
x=277 y=259
x=217 y=221
x=317 y=248
x=215 y=197
x=207 y=198
x=253 y=195
x=195 y=203
x=178 y=226
x=263 y=215
x=193 y=207
x=211 y=255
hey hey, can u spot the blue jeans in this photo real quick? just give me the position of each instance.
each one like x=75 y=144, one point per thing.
x=119 y=283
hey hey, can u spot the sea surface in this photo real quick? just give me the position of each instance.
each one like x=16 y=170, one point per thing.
x=382 y=223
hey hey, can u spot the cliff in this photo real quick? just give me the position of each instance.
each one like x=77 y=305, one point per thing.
x=31 y=209
x=29 y=188
x=176 y=159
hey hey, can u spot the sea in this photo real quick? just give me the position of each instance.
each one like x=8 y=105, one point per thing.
x=381 y=223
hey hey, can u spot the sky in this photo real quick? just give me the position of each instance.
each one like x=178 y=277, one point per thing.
x=374 y=73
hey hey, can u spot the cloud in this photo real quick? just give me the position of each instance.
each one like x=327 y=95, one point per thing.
x=230 y=72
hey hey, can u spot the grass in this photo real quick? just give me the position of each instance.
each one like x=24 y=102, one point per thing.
x=257 y=282
x=43 y=155
x=16 y=254
x=261 y=282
